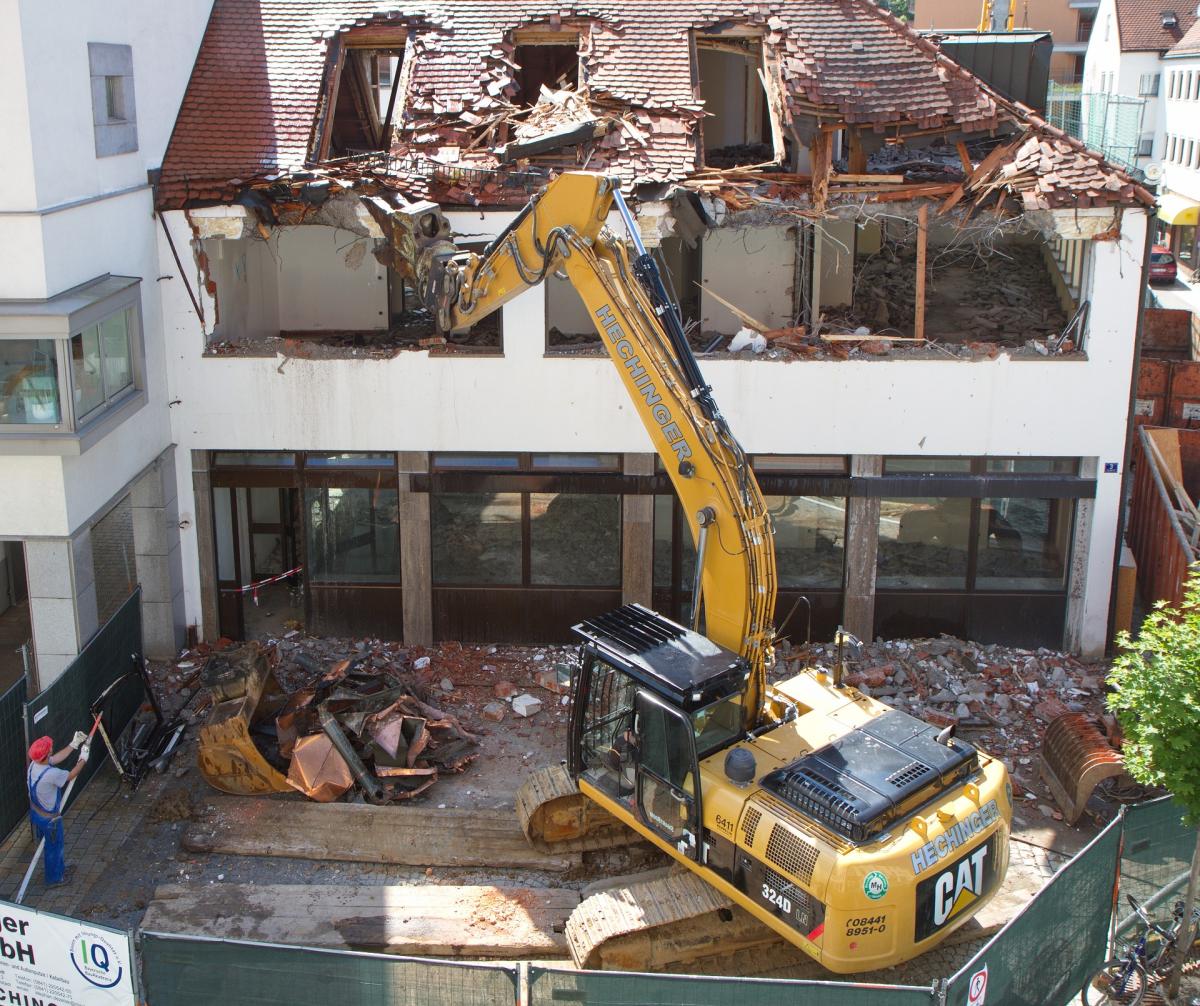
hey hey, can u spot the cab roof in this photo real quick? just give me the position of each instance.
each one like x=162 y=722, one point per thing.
x=684 y=667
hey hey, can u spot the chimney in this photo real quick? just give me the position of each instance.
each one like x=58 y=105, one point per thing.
x=1170 y=19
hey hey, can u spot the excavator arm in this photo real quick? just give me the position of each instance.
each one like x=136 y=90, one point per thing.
x=563 y=230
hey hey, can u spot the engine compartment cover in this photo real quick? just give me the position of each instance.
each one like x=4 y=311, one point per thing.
x=856 y=784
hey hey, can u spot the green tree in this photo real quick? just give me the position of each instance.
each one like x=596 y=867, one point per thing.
x=1155 y=695
x=897 y=7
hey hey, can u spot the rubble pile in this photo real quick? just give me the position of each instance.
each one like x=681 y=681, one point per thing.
x=983 y=298
x=999 y=698
x=331 y=716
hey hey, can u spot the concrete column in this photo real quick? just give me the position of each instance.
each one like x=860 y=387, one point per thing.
x=156 y=549
x=1077 y=573
x=416 y=558
x=62 y=603
x=637 y=537
x=862 y=546
x=206 y=547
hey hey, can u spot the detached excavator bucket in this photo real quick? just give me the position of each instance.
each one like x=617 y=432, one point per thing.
x=1076 y=756
x=240 y=681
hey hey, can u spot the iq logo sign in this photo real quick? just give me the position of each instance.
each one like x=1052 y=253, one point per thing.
x=875 y=885
x=977 y=989
x=96 y=959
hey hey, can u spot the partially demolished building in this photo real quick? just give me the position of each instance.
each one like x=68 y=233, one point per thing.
x=916 y=301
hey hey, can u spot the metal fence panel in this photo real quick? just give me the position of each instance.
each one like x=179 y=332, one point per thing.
x=1066 y=923
x=14 y=798
x=62 y=708
x=1156 y=854
x=193 y=971
x=550 y=987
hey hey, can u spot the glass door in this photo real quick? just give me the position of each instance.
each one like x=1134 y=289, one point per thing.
x=667 y=776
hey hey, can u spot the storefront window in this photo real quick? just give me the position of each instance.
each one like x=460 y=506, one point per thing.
x=1023 y=544
x=670 y=533
x=376 y=459
x=810 y=539
x=28 y=382
x=923 y=543
x=353 y=535
x=1185 y=246
x=254 y=459
x=926 y=466
x=575 y=540
x=476 y=538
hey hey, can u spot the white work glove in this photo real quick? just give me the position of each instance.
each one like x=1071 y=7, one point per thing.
x=79 y=738
x=84 y=752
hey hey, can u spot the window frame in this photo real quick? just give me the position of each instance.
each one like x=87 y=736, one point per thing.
x=60 y=319
x=526 y=579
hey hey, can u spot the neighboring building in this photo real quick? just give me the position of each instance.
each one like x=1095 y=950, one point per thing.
x=496 y=484
x=1179 y=151
x=87 y=505
x=1069 y=22
x=1123 y=74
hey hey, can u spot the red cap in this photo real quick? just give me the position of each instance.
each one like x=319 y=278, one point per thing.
x=41 y=749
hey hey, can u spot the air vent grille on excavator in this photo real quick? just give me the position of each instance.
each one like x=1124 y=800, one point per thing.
x=792 y=854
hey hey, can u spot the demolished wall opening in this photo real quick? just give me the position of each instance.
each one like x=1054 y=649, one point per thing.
x=570 y=330
x=318 y=291
x=544 y=59
x=736 y=128
x=364 y=99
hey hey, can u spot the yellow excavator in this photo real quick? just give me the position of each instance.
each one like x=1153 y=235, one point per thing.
x=805 y=808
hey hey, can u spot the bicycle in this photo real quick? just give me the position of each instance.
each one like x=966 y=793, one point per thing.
x=1123 y=980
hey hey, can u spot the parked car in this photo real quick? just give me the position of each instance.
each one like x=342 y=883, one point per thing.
x=1162 y=265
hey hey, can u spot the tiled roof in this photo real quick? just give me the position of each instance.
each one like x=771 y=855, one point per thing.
x=1189 y=43
x=254 y=94
x=1139 y=24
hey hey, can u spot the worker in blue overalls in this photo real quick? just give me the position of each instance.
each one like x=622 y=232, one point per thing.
x=46 y=784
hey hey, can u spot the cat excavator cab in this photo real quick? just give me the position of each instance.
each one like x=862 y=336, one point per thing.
x=805 y=809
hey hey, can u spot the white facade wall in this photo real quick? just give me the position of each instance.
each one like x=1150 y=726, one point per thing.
x=1109 y=70
x=67 y=217
x=1181 y=118
x=526 y=400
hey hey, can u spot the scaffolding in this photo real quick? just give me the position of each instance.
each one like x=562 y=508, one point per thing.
x=1108 y=123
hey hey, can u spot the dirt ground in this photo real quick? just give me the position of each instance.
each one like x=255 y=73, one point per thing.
x=144 y=829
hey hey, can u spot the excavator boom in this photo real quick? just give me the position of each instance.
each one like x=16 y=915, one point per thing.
x=563 y=229
x=804 y=811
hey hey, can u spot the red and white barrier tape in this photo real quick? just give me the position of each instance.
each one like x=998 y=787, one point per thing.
x=253 y=588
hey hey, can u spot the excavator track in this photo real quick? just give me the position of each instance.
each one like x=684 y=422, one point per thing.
x=557 y=818
x=661 y=924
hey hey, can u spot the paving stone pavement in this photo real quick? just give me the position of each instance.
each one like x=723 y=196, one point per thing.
x=99 y=822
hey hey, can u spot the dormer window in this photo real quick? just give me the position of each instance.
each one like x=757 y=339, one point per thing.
x=1170 y=19
x=544 y=58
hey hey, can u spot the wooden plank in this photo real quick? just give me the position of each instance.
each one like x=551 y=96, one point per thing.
x=851 y=178
x=985 y=167
x=963 y=156
x=922 y=247
x=359 y=833
x=856 y=159
x=427 y=919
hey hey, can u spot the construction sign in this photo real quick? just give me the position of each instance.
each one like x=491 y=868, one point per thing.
x=51 y=959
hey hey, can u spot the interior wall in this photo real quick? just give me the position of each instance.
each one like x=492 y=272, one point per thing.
x=328 y=280
x=565 y=311
x=752 y=268
x=247 y=288
x=835 y=263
